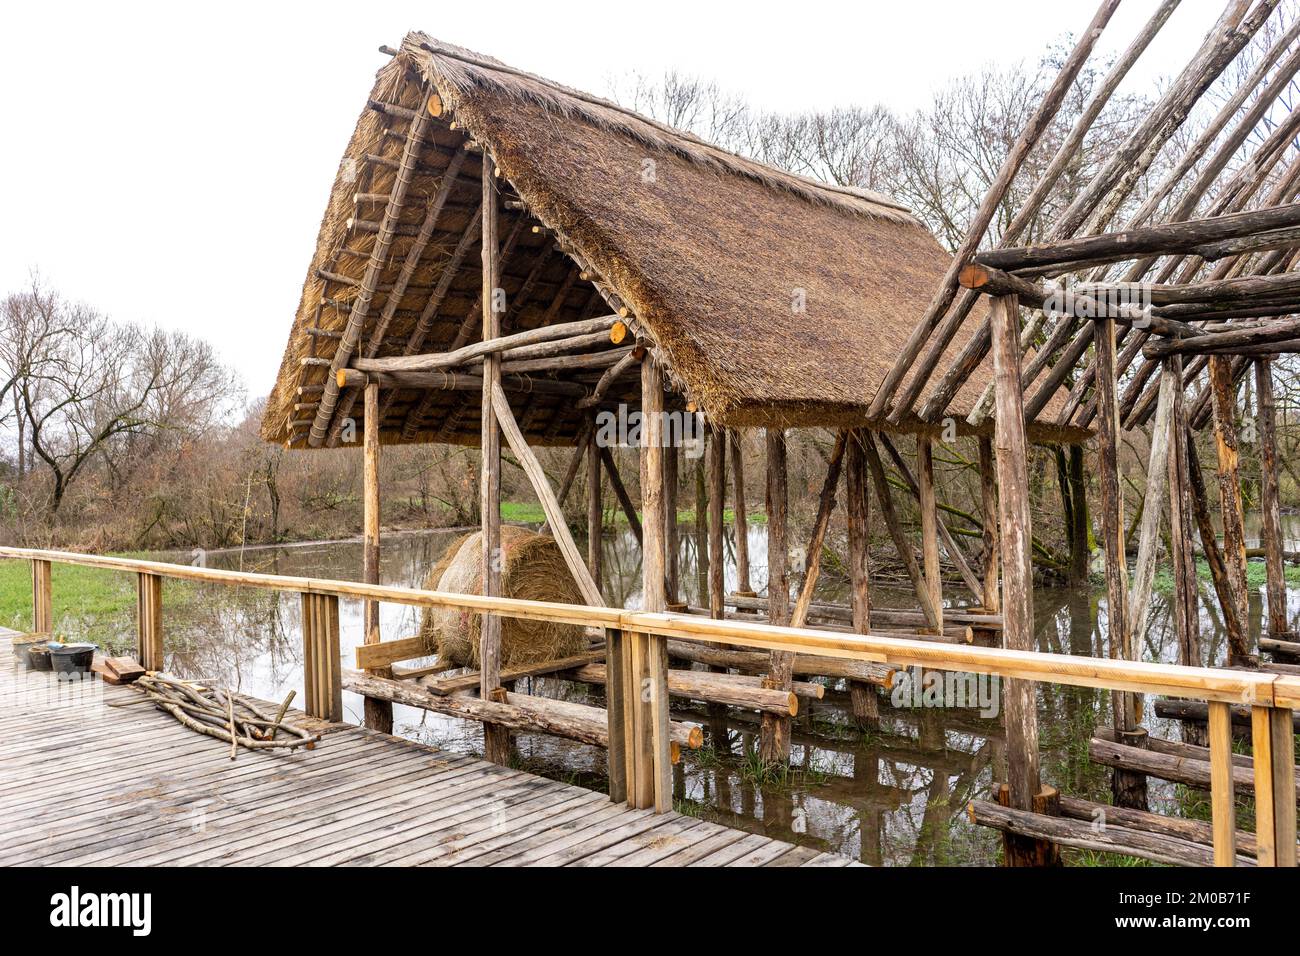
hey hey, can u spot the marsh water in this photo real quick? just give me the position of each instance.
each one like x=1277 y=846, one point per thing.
x=894 y=796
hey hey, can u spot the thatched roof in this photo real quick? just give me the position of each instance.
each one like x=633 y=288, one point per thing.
x=709 y=251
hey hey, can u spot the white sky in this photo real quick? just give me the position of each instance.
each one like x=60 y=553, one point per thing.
x=170 y=163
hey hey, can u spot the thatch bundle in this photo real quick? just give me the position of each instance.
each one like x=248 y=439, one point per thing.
x=533 y=570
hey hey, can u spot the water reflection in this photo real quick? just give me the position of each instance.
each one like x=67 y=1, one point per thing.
x=893 y=794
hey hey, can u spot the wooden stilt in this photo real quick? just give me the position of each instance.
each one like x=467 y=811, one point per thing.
x=496 y=739
x=651 y=783
x=43 y=599
x=1153 y=509
x=672 y=541
x=378 y=713
x=741 y=519
x=1223 y=397
x=929 y=526
x=862 y=696
x=1233 y=621
x=717 y=468
x=595 y=511
x=989 y=512
x=1186 y=610
x=1269 y=504
x=774 y=741
x=895 y=527
x=149 y=631
x=1129 y=789
x=1020 y=714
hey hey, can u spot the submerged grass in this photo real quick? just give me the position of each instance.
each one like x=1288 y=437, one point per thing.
x=1256 y=575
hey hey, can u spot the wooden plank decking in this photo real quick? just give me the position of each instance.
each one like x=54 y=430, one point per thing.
x=96 y=775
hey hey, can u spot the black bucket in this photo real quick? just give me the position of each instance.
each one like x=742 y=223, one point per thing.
x=72 y=658
x=37 y=657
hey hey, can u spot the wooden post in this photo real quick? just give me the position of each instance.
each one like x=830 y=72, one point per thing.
x=989 y=513
x=895 y=528
x=1222 y=802
x=774 y=742
x=672 y=539
x=1223 y=398
x=1270 y=508
x=496 y=739
x=149 y=634
x=322 y=664
x=1020 y=715
x=717 y=501
x=1081 y=552
x=378 y=713
x=42 y=598
x=1128 y=789
x=595 y=510
x=1153 y=509
x=650 y=775
x=862 y=696
x=741 y=521
x=1181 y=517
x=929 y=526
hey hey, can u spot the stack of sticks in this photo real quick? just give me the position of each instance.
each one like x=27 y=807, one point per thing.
x=222 y=715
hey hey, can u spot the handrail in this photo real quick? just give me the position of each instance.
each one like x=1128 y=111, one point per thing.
x=1174 y=680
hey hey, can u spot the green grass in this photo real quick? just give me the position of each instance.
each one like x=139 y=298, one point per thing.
x=1256 y=575
x=78 y=592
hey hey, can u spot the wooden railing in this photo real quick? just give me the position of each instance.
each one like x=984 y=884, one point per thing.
x=1271 y=697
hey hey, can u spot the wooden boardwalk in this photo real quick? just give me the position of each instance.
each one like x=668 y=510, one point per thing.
x=95 y=775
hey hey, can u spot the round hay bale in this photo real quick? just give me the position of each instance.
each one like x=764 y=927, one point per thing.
x=534 y=570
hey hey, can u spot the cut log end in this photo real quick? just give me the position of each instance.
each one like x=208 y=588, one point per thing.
x=618 y=331
x=973 y=276
x=435 y=105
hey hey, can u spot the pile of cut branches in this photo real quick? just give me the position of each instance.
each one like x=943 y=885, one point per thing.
x=222 y=715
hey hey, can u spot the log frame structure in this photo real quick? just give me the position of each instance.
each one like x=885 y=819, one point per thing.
x=579 y=320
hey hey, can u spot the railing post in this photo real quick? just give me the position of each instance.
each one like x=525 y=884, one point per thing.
x=42 y=598
x=148 y=621
x=1222 y=803
x=1271 y=732
x=321 y=667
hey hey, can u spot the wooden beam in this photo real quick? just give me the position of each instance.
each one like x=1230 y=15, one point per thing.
x=322 y=666
x=1223 y=396
x=1019 y=709
x=774 y=744
x=717 y=503
x=605 y=326
x=1181 y=518
x=1153 y=509
x=825 y=507
x=650 y=785
x=582 y=577
x=929 y=525
x=1223 y=804
x=740 y=517
x=595 y=505
x=992 y=597
x=862 y=697
x=149 y=628
x=895 y=528
x=1269 y=504
x=43 y=599
x=496 y=738
x=378 y=713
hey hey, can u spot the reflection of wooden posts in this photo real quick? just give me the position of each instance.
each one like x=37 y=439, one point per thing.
x=595 y=509
x=929 y=526
x=1024 y=790
x=989 y=515
x=378 y=713
x=496 y=739
x=149 y=634
x=1128 y=789
x=42 y=598
x=1223 y=398
x=1186 y=611
x=321 y=664
x=741 y=519
x=1269 y=506
x=1273 y=747
x=774 y=742
x=649 y=773
x=862 y=696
